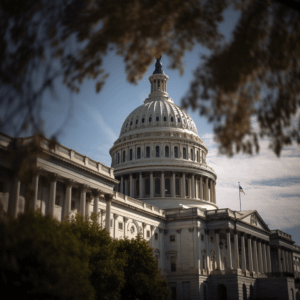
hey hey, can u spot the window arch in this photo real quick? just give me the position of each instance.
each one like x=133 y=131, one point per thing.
x=184 y=152
x=124 y=156
x=118 y=158
x=147 y=186
x=167 y=186
x=130 y=154
x=177 y=187
x=157 y=151
x=147 y=152
x=176 y=152
x=157 y=186
x=167 y=151
x=138 y=153
x=192 y=154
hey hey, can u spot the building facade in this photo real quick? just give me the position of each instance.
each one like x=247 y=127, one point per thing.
x=160 y=186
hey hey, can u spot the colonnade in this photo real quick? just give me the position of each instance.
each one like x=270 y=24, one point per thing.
x=154 y=184
x=284 y=260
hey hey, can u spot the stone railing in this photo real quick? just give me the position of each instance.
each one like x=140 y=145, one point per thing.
x=281 y=233
x=118 y=197
x=181 y=213
x=220 y=213
x=63 y=152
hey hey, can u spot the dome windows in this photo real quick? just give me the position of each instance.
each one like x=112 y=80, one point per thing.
x=184 y=152
x=137 y=120
x=130 y=154
x=147 y=186
x=124 y=156
x=126 y=125
x=176 y=152
x=167 y=151
x=157 y=118
x=157 y=151
x=157 y=187
x=192 y=156
x=150 y=119
x=165 y=118
x=167 y=186
x=143 y=120
x=178 y=120
x=130 y=123
x=147 y=152
x=172 y=119
x=138 y=153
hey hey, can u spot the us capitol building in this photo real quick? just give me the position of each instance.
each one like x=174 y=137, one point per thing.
x=159 y=185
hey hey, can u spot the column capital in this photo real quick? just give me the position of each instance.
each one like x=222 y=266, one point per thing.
x=249 y=236
x=242 y=234
x=235 y=231
x=70 y=182
x=102 y=211
x=83 y=187
x=152 y=227
x=116 y=216
x=54 y=177
x=97 y=192
x=108 y=197
x=228 y=230
x=38 y=171
x=144 y=225
x=125 y=219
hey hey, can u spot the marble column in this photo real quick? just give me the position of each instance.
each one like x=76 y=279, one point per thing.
x=265 y=261
x=269 y=259
x=183 y=192
x=291 y=262
x=82 y=200
x=125 y=226
x=131 y=186
x=173 y=191
x=215 y=197
x=229 y=254
x=260 y=258
x=193 y=187
x=14 y=194
x=218 y=250
x=255 y=259
x=115 y=225
x=108 y=199
x=207 y=249
x=236 y=250
x=201 y=187
x=68 y=198
x=206 y=189
x=196 y=189
x=52 y=196
x=162 y=184
x=102 y=212
x=122 y=185
x=243 y=253
x=286 y=261
x=141 y=195
x=144 y=231
x=250 y=253
x=151 y=185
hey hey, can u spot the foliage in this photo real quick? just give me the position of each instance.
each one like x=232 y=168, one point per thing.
x=253 y=76
x=107 y=276
x=143 y=280
x=38 y=260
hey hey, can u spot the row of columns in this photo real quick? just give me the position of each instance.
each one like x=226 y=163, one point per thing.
x=285 y=260
x=259 y=257
x=201 y=187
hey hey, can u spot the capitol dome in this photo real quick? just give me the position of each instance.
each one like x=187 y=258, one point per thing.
x=159 y=157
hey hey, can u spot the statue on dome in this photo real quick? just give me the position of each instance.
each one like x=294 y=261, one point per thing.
x=158 y=66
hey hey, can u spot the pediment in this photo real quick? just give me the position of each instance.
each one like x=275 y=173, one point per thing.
x=253 y=218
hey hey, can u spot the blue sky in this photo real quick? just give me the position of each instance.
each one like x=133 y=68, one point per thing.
x=89 y=123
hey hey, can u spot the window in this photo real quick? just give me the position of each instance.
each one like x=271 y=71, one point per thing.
x=118 y=158
x=211 y=239
x=132 y=229
x=136 y=121
x=120 y=225
x=156 y=236
x=157 y=119
x=158 y=85
x=137 y=188
x=72 y=204
x=130 y=123
x=1 y=187
x=124 y=156
x=202 y=237
x=147 y=186
x=186 y=188
x=186 y=290
x=57 y=200
x=172 y=119
x=130 y=154
x=192 y=156
x=178 y=119
x=173 y=264
x=157 y=151
x=138 y=153
x=176 y=152
x=167 y=151
x=143 y=120
x=177 y=187
x=184 y=152
x=147 y=152
x=167 y=186
x=172 y=287
x=157 y=186
x=172 y=238
x=165 y=118
x=150 y=119
x=148 y=233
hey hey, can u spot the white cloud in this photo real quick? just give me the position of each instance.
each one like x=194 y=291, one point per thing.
x=271 y=184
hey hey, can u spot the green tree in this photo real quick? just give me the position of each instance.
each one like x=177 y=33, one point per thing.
x=143 y=280
x=253 y=76
x=38 y=260
x=107 y=275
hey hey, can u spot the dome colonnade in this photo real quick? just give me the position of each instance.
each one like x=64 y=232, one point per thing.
x=159 y=157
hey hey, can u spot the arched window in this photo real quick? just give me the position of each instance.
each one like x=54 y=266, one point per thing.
x=192 y=156
x=178 y=119
x=130 y=123
x=138 y=153
x=251 y=292
x=167 y=186
x=176 y=152
x=197 y=156
x=165 y=118
x=130 y=154
x=186 y=188
x=157 y=119
x=222 y=292
x=244 y=292
x=177 y=187
x=147 y=152
x=157 y=151
x=137 y=188
x=143 y=120
x=124 y=156
x=150 y=119
x=118 y=158
x=184 y=152
x=157 y=186
x=147 y=186
x=167 y=151
x=172 y=119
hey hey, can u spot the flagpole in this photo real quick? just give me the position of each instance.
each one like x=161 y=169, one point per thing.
x=240 y=197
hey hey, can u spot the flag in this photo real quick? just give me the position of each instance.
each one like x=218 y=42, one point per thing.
x=241 y=190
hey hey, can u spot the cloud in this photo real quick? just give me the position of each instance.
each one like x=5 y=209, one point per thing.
x=271 y=184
